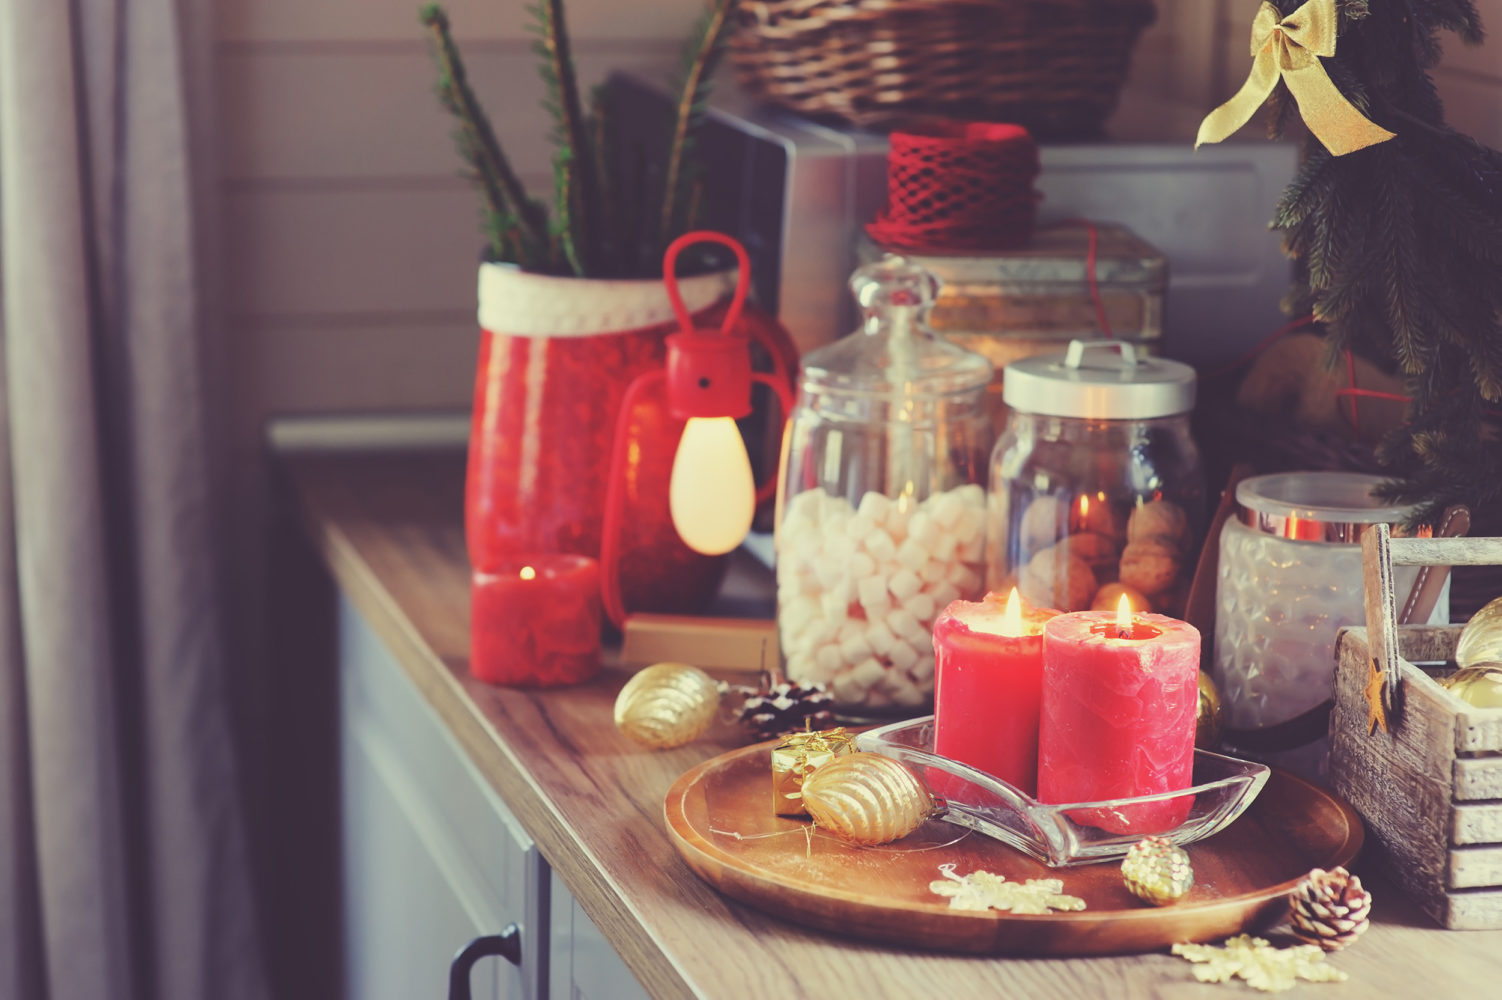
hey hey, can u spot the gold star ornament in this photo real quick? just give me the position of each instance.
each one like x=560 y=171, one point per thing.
x=1376 y=690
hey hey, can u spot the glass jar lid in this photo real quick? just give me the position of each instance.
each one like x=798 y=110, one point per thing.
x=895 y=353
x=1099 y=380
x=1316 y=506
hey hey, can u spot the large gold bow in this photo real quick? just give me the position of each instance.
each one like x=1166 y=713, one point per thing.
x=1290 y=47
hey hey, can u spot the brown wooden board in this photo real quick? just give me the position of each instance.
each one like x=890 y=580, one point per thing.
x=719 y=816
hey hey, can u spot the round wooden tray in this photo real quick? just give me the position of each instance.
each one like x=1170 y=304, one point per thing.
x=719 y=817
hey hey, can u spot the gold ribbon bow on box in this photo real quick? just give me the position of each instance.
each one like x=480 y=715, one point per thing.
x=1290 y=47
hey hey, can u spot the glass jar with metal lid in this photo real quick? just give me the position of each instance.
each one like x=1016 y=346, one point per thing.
x=881 y=503
x=1096 y=485
x=1289 y=578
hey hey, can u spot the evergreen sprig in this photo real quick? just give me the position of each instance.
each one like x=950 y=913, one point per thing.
x=514 y=224
x=597 y=227
x=1398 y=249
x=701 y=54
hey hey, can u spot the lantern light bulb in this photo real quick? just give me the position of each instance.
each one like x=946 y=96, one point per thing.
x=711 y=492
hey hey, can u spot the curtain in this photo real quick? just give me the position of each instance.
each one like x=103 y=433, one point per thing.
x=124 y=868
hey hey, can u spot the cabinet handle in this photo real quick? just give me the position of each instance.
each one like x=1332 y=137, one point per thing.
x=507 y=945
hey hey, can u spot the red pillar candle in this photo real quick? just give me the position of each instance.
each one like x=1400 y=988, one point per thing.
x=1117 y=718
x=535 y=621
x=988 y=677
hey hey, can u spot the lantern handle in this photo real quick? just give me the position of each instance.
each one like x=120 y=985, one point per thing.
x=670 y=277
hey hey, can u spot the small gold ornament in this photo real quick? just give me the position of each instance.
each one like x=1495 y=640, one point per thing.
x=982 y=891
x=1481 y=639
x=1210 y=715
x=1329 y=909
x=1264 y=967
x=1480 y=685
x=667 y=705
x=866 y=799
x=1156 y=871
x=795 y=758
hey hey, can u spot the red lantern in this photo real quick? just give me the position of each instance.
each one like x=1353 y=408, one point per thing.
x=711 y=494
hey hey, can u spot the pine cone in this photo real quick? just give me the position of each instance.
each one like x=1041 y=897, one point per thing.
x=1329 y=909
x=787 y=708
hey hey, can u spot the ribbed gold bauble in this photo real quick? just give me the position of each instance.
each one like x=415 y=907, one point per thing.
x=1210 y=716
x=667 y=705
x=1480 y=685
x=866 y=799
x=1481 y=639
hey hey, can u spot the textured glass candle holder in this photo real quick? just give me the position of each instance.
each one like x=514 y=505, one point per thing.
x=1289 y=579
x=1220 y=791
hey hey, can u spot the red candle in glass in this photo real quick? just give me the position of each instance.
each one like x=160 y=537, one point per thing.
x=988 y=679
x=535 y=621
x=1117 y=717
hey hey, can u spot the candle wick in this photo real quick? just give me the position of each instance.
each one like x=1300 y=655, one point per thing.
x=1123 y=633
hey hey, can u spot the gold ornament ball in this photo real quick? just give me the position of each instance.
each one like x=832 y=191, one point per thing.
x=1481 y=639
x=866 y=799
x=1156 y=871
x=1210 y=716
x=667 y=705
x=1479 y=685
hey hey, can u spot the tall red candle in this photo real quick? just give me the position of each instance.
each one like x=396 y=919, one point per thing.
x=535 y=621
x=1117 y=716
x=988 y=678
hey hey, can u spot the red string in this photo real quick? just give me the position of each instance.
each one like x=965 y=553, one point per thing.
x=1351 y=382
x=959 y=186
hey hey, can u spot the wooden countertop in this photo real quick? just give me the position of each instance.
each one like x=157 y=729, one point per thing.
x=390 y=530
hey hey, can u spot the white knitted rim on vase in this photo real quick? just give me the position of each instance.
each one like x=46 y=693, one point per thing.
x=520 y=304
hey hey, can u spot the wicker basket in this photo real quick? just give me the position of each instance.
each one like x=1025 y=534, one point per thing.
x=1055 y=66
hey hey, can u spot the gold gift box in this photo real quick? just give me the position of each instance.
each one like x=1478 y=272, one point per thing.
x=796 y=757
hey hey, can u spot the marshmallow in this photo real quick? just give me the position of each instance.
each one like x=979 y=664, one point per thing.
x=855 y=646
x=872 y=592
x=869 y=672
x=880 y=637
x=912 y=555
x=875 y=506
x=922 y=672
x=902 y=656
x=859 y=526
x=881 y=548
x=922 y=606
x=922 y=529
x=904 y=584
x=828 y=660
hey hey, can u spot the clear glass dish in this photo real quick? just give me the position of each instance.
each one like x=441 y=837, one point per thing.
x=1057 y=834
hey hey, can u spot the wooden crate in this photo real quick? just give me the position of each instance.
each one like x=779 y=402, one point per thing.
x=1429 y=782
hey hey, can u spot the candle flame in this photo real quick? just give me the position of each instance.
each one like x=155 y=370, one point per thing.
x=527 y=573
x=1011 y=622
x=1124 y=617
x=1084 y=506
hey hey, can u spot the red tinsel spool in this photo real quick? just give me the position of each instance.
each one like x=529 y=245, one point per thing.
x=959 y=186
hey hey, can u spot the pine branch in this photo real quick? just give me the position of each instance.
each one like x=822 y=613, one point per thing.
x=515 y=224
x=575 y=157
x=700 y=57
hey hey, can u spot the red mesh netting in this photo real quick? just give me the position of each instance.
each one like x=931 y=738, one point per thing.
x=959 y=186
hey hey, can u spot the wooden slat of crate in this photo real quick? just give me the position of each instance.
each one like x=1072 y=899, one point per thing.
x=1475 y=867
x=1403 y=781
x=1478 y=778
